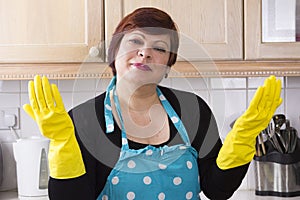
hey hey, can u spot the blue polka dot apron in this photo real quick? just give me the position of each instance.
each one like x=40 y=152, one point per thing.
x=162 y=173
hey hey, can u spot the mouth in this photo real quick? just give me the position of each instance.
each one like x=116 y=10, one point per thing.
x=141 y=66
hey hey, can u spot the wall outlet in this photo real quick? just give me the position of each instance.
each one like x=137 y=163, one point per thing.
x=6 y=117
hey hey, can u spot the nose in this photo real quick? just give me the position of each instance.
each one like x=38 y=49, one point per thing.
x=145 y=53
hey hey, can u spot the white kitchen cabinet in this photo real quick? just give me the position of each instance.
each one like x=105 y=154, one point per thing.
x=255 y=47
x=68 y=39
x=34 y=31
x=216 y=27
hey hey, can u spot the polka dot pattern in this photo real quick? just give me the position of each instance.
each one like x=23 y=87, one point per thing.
x=162 y=97
x=162 y=166
x=168 y=172
x=147 y=180
x=110 y=127
x=177 y=181
x=189 y=195
x=131 y=164
x=104 y=197
x=180 y=183
x=182 y=147
x=130 y=195
x=108 y=107
x=161 y=196
x=149 y=152
x=115 y=180
x=124 y=141
x=189 y=164
x=175 y=119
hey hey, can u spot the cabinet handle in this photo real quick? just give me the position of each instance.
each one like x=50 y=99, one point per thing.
x=94 y=51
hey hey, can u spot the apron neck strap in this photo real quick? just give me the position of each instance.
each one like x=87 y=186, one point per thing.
x=109 y=117
x=174 y=117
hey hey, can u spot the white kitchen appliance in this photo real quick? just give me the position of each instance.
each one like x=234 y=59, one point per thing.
x=8 y=177
x=32 y=166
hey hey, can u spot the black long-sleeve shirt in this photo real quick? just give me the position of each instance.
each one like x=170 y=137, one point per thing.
x=100 y=151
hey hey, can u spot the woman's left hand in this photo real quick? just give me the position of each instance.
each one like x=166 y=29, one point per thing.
x=239 y=145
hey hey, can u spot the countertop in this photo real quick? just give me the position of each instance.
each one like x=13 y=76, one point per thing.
x=13 y=195
x=238 y=195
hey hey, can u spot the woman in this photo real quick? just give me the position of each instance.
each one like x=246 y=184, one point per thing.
x=139 y=140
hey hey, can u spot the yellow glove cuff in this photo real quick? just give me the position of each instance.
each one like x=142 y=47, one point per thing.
x=235 y=153
x=65 y=160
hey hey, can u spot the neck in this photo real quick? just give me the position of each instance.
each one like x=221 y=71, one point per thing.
x=137 y=99
x=144 y=118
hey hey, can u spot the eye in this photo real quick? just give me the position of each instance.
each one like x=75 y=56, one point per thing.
x=135 y=41
x=160 y=49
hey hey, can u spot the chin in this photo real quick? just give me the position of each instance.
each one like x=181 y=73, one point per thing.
x=142 y=77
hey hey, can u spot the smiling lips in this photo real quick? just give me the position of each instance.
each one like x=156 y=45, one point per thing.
x=141 y=66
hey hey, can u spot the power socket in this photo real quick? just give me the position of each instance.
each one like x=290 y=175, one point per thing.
x=9 y=116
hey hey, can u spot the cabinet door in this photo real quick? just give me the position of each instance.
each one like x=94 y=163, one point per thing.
x=50 y=31
x=215 y=26
x=255 y=47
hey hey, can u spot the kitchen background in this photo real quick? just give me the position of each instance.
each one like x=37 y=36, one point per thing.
x=227 y=97
x=245 y=38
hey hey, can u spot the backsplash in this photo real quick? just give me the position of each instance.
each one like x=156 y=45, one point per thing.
x=227 y=97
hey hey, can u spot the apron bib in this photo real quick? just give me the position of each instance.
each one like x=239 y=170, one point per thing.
x=162 y=173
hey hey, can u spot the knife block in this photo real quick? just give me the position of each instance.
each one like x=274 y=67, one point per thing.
x=278 y=174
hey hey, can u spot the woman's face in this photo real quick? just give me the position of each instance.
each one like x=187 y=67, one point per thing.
x=142 y=58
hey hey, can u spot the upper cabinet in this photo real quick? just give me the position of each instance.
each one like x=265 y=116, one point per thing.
x=271 y=29
x=68 y=39
x=209 y=30
x=34 y=31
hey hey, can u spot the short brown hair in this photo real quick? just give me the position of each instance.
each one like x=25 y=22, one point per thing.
x=146 y=18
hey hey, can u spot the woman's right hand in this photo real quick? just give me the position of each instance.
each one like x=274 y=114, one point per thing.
x=47 y=109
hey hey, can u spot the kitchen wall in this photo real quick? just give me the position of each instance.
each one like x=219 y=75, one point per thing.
x=228 y=97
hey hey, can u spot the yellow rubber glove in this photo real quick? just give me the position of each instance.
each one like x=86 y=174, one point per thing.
x=239 y=145
x=47 y=109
